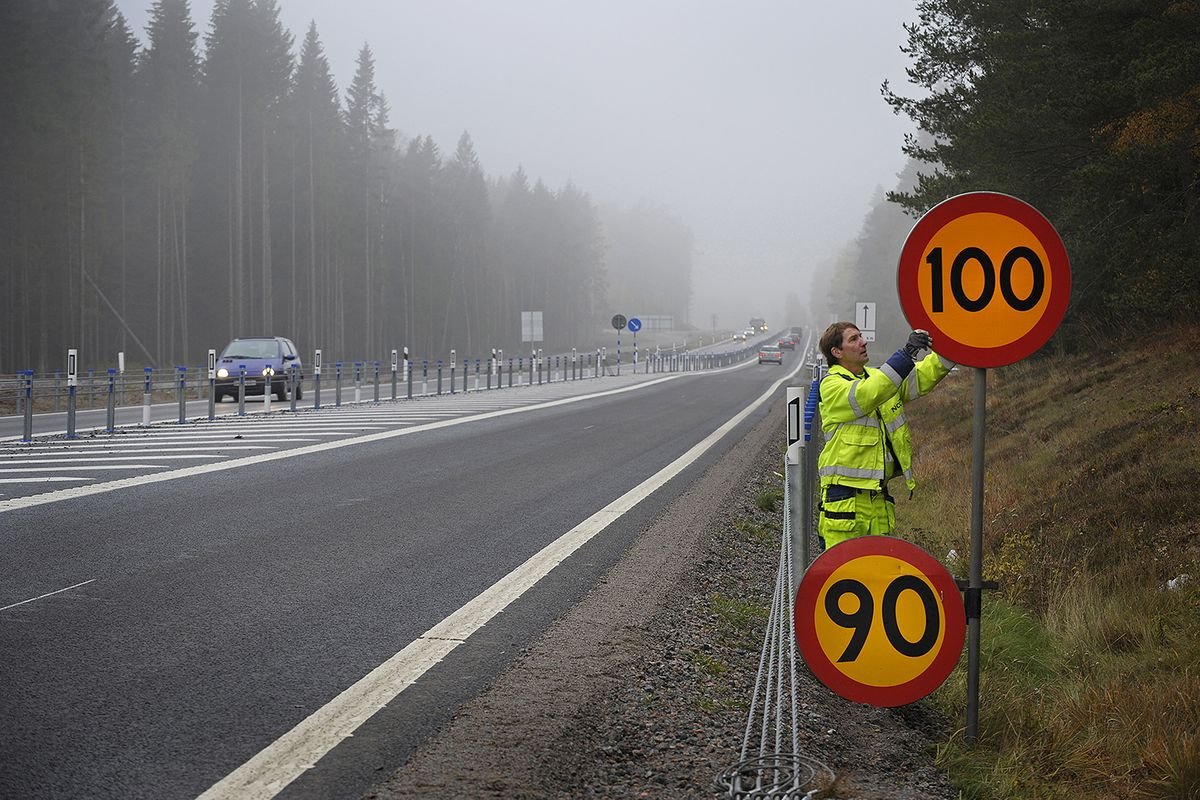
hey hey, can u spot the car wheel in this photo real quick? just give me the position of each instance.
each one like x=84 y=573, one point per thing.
x=280 y=393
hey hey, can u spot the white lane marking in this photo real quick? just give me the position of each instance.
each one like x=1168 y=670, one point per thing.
x=142 y=446
x=204 y=469
x=98 y=459
x=90 y=466
x=47 y=594
x=281 y=762
x=48 y=479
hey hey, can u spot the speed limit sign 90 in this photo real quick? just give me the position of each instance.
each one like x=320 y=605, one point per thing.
x=987 y=275
x=879 y=621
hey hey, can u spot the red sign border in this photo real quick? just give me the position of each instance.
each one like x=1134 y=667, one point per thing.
x=937 y=218
x=815 y=578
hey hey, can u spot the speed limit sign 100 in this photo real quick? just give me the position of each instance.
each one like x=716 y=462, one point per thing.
x=879 y=621
x=987 y=275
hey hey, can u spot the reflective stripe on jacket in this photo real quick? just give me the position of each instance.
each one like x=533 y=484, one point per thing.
x=855 y=411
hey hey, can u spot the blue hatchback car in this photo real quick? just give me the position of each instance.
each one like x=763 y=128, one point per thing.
x=268 y=361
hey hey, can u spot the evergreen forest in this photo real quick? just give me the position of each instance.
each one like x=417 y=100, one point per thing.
x=1089 y=110
x=161 y=197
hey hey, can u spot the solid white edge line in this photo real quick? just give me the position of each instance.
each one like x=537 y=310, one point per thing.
x=277 y=765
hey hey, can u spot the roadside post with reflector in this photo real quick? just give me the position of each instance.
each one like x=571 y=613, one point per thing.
x=212 y=385
x=147 y=388
x=395 y=369
x=317 y=378
x=794 y=478
x=407 y=364
x=72 y=388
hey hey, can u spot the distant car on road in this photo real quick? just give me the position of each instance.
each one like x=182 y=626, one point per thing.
x=739 y=336
x=268 y=360
x=787 y=343
x=770 y=353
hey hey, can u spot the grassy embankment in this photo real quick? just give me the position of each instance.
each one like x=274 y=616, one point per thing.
x=1090 y=665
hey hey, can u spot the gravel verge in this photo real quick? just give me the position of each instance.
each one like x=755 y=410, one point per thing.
x=642 y=689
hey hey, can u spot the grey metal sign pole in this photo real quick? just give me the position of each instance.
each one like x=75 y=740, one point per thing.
x=975 y=582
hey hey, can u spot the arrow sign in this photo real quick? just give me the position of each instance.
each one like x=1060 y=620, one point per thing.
x=634 y=324
x=864 y=316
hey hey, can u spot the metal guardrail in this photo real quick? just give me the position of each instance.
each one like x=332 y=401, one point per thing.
x=27 y=392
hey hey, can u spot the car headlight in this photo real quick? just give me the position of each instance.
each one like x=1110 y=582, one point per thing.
x=222 y=373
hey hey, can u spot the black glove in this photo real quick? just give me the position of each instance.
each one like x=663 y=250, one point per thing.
x=917 y=341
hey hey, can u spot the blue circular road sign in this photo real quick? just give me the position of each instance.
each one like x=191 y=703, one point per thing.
x=635 y=324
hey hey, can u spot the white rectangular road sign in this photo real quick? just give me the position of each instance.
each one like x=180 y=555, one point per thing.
x=864 y=316
x=531 y=326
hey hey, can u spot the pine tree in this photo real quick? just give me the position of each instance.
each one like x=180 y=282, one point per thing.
x=317 y=142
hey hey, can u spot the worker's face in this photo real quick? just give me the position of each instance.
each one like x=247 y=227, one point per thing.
x=853 y=353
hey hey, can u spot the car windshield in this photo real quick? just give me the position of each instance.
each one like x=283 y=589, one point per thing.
x=251 y=348
x=770 y=349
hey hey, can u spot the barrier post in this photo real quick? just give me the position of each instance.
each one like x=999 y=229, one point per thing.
x=293 y=383
x=112 y=400
x=337 y=384
x=28 y=434
x=146 y=390
x=376 y=394
x=241 y=390
x=181 y=393
x=453 y=366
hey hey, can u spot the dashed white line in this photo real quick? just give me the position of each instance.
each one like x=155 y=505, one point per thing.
x=47 y=594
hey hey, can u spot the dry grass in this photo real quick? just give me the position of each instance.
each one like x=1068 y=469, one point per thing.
x=1090 y=679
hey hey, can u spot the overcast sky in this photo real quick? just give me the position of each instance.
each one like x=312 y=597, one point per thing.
x=757 y=122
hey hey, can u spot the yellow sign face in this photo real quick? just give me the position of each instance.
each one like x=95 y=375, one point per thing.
x=977 y=265
x=879 y=620
x=987 y=275
x=856 y=599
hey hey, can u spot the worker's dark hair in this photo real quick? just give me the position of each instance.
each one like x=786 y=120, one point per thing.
x=832 y=337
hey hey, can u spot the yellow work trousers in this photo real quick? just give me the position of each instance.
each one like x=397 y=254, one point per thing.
x=847 y=513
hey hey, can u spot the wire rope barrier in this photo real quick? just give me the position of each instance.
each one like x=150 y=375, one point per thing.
x=770 y=763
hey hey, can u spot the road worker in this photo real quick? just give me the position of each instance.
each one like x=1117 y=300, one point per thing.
x=867 y=441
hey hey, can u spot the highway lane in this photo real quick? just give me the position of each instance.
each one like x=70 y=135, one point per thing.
x=225 y=608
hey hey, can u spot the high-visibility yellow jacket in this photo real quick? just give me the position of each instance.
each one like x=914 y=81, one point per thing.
x=867 y=441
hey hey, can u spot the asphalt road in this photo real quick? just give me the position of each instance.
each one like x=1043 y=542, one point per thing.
x=157 y=637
